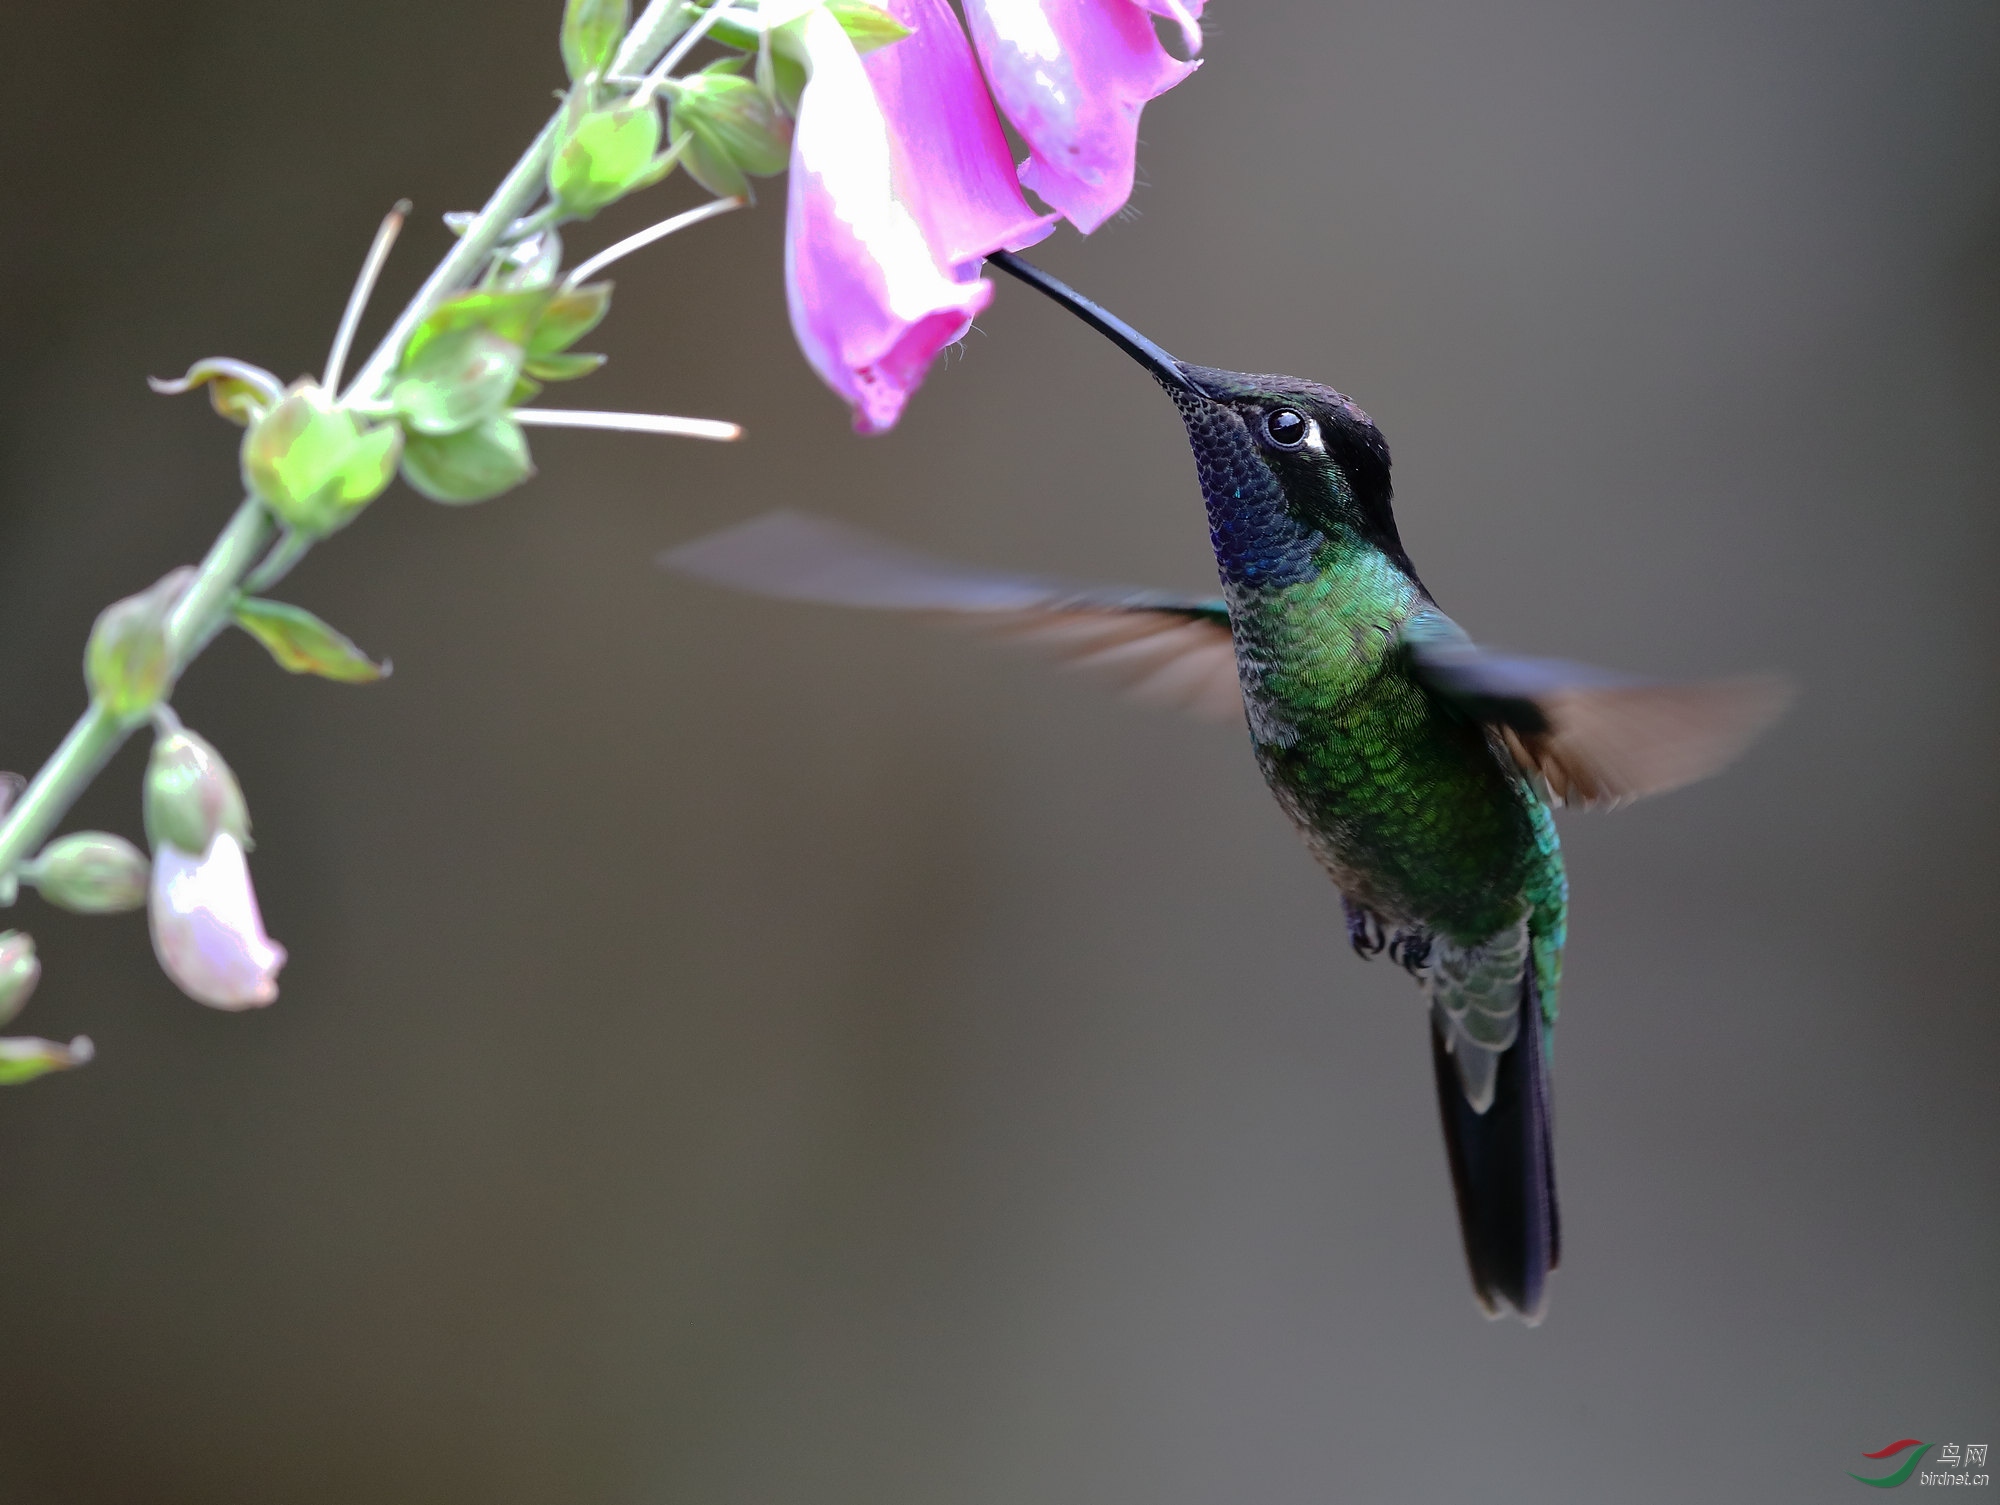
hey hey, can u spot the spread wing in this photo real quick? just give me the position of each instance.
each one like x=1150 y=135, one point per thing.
x=1591 y=736
x=1166 y=650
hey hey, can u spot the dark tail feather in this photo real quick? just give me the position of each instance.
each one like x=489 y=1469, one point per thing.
x=1503 y=1171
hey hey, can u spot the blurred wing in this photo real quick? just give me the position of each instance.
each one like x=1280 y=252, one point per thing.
x=1161 y=649
x=1591 y=736
x=11 y=785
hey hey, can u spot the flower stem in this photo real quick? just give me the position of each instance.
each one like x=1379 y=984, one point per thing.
x=290 y=548
x=70 y=768
x=99 y=733
x=657 y=25
x=204 y=610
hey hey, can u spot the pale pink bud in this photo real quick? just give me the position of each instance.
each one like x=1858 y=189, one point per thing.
x=207 y=932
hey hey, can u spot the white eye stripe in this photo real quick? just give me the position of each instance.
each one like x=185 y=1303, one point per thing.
x=1313 y=440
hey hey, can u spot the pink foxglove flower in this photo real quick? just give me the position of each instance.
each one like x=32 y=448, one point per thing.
x=870 y=305
x=207 y=932
x=1073 y=75
x=952 y=161
x=902 y=180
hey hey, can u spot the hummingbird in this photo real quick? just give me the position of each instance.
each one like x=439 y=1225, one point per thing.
x=1421 y=768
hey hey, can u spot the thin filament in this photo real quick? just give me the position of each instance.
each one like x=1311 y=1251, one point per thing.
x=631 y=423
x=588 y=268
x=364 y=286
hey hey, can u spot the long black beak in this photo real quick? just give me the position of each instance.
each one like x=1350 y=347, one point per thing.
x=1121 y=334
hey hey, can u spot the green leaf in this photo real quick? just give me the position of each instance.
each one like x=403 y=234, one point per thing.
x=591 y=30
x=510 y=313
x=456 y=381
x=604 y=156
x=471 y=466
x=526 y=390
x=24 y=1059
x=569 y=316
x=867 y=26
x=313 y=463
x=562 y=367
x=303 y=644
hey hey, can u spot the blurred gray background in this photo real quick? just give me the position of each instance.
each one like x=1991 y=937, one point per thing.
x=749 y=1054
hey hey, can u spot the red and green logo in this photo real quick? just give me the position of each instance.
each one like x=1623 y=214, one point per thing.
x=1901 y=1475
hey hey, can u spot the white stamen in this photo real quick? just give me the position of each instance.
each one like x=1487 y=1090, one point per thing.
x=357 y=300
x=631 y=423
x=586 y=269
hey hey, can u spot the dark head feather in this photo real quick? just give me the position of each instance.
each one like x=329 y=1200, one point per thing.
x=1339 y=490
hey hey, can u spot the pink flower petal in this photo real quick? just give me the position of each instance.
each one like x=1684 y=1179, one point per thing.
x=952 y=163
x=207 y=932
x=1073 y=75
x=870 y=305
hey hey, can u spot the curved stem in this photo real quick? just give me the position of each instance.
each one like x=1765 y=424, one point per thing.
x=205 y=607
x=292 y=546
x=204 y=610
x=98 y=733
x=70 y=768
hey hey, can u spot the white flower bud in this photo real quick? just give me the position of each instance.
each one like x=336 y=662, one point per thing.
x=20 y=970
x=207 y=932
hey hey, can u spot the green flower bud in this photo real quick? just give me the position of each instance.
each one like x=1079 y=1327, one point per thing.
x=20 y=970
x=91 y=872
x=568 y=317
x=604 y=155
x=567 y=367
x=591 y=31
x=531 y=264
x=512 y=315
x=127 y=665
x=726 y=126
x=867 y=26
x=22 y=1060
x=314 y=464
x=191 y=795
x=458 y=380
x=471 y=466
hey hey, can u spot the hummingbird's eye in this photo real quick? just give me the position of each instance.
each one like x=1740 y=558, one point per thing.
x=1285 y=427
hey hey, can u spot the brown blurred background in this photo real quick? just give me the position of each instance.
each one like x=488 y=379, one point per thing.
x=749 y=1054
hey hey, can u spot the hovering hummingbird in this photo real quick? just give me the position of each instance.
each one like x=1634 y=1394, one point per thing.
x=1420 y=768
